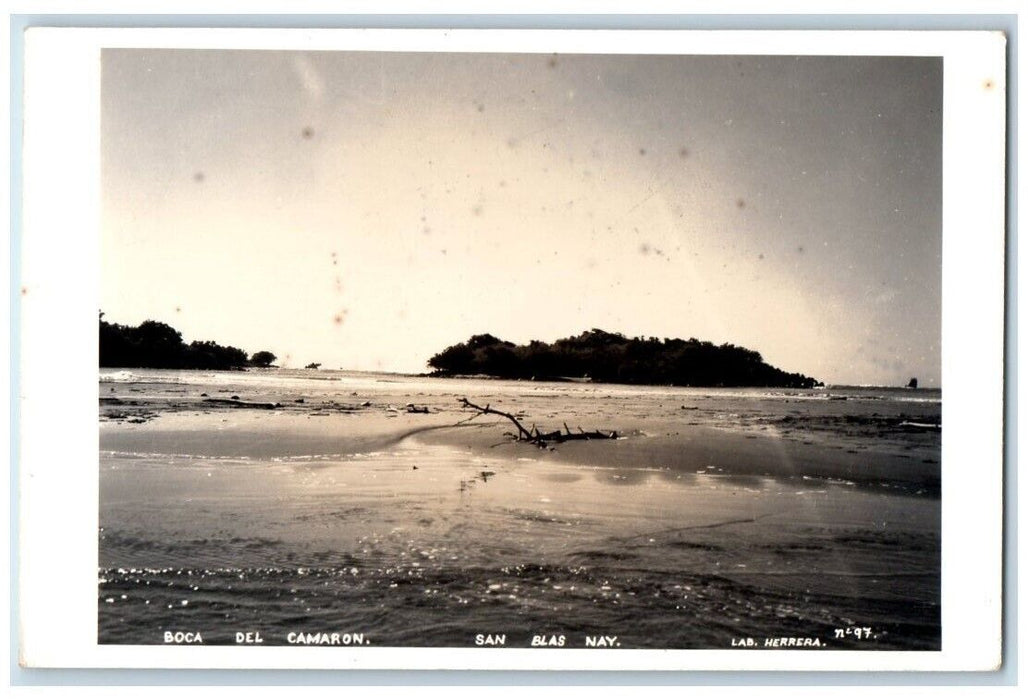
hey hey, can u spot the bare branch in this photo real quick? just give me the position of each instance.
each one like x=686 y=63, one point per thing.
x=535 y=436
x=523 y=434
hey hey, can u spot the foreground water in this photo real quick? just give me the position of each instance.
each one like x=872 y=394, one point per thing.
x=303 y=520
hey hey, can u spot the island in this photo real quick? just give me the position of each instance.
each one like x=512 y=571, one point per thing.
x=597 y=355
x=156 y=345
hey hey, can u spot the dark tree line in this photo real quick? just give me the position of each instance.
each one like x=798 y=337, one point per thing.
x=612 y=357
x=159 y=346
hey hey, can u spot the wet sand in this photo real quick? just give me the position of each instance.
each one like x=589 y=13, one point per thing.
x=643 y=444
x=700 y=526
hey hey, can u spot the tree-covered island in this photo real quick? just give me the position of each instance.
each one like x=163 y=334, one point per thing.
x=157 y=345
x=611 y=357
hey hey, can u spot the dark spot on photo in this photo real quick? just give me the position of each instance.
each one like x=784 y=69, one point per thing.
x=642 y=151
x=799 y=249
x=989 y=84
x=198 y=176
x=683 y=152
x=307 y=132
x=552 y=63
x=644 y=248
x=740 y=203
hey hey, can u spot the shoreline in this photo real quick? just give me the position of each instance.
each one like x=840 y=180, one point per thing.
x=655 y=445
x=313 y=374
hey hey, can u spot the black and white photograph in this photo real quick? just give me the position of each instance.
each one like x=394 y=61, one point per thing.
x=521 y=349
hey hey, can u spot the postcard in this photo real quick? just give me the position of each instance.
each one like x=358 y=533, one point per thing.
x=512 y=349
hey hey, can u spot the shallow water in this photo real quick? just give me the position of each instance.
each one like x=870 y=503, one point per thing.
x=514 y=543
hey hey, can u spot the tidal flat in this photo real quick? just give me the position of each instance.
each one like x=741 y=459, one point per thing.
x=324 y=505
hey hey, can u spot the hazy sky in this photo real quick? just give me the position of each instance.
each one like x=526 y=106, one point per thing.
x=366 y=210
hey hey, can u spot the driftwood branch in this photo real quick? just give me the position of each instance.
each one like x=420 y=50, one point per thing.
x=523 y=434
x=534 y=436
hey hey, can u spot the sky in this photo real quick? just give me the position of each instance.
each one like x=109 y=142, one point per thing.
x=365 y=210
